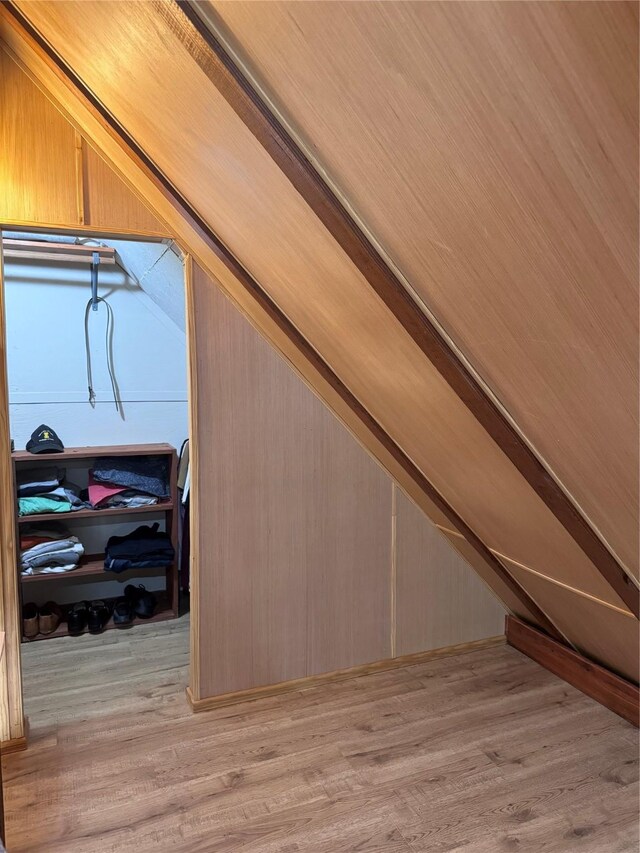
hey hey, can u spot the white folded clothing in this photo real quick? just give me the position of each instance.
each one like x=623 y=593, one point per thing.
x=61 y=557
x=47 y=547
x=49 y=570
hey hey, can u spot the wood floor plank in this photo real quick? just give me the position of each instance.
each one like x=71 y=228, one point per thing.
x=481 y=753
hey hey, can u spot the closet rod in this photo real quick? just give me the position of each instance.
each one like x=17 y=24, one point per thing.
x=64 y=252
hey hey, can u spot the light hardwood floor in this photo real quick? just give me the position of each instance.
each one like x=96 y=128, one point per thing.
x=481 y=753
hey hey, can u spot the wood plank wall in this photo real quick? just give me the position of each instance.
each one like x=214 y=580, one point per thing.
x=51 y=176
x=311 y=559
x=188 y=130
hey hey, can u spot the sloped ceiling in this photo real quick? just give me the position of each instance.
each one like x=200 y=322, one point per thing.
x=491 y=148
x=496 y=206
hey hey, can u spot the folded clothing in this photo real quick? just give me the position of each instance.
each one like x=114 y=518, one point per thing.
x=37 y=505
x=48 y=549
x=38 y=488
x=143 y=547
x=36 y=481
x=109 y=495
x=149 y=474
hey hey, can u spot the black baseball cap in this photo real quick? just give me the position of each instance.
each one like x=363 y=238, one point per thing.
x=44 y=440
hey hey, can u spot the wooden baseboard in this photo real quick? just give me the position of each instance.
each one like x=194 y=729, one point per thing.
x=611 y=690
x=16 y=744
x=307 y=682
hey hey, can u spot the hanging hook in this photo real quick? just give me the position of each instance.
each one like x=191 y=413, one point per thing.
x=95 y=260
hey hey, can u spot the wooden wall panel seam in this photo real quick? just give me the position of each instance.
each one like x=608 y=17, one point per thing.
x=280 y=319
x=448 y=532
x=214 y=60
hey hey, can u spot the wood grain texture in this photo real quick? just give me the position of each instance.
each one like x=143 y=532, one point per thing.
x=252 y=109
x=378 y=362
x=478 y=753
x=615 y=693
x=295 y=553
x=604 y=634
x=185 y=223
x=492 y=150
x=311 y=681
x=108 y=201
x=438 y=602
x=37 y=153
x=11 y=709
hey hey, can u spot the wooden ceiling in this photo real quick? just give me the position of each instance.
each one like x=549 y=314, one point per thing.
x=496 y=173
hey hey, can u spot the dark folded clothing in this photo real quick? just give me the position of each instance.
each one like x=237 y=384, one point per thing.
x=149 y=474
x=145 y=546
x=113 y=565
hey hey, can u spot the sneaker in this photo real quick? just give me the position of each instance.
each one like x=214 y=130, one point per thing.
x=142 y=601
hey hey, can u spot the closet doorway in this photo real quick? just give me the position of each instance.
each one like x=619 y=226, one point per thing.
x=98 y=410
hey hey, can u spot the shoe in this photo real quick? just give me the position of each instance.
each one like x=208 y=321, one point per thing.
x=77 y=618
x=30 y=627
x=143 y=601
x=98 y=616
x=50 y=617
x=123 y=613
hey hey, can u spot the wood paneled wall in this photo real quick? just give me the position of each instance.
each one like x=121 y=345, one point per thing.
x=492 y=149
x=304 y=566
x=49 y=174
x=188 y=130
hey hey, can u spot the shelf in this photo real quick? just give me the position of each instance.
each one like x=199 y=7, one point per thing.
x=90 y=565
x=163 y=506
x=93 y=453
x=162 y=614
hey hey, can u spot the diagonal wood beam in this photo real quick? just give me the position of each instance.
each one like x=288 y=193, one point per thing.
x=204 y=232
x=224 y=73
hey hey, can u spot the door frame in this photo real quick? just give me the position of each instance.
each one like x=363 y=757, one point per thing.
x=13 y=723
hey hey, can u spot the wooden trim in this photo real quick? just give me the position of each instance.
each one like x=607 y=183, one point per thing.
x=310 y=681
x=16 y=744
x=249 y=106
x=271 y=311
x=42 y=250
x=82 y=230
x=11 y=703
x=393 y=599
x=80 y=178
x=611 y=690
x=192 y=384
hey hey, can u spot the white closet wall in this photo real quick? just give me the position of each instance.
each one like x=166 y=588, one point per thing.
x=45 y=305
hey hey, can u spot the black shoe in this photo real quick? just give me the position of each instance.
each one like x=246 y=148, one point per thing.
x=123 y=613
x=142 y=601
x=77 y=618
x=99 y=615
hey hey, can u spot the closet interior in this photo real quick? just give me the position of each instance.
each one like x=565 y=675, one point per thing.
x=97 y=375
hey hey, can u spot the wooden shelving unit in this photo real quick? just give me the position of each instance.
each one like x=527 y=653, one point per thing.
x=92 y=566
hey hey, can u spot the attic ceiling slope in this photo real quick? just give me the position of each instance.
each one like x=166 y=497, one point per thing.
x=187 y=132
x=492 y=150
x=57 y=91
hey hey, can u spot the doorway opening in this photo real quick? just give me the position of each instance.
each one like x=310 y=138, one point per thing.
x=99 y=422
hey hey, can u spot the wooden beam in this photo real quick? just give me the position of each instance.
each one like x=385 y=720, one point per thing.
x=611 y=690
x=272 y=313
x=248 y=105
